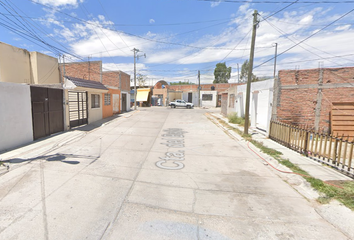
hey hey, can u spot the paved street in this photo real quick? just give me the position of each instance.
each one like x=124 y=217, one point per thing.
x=156 y=173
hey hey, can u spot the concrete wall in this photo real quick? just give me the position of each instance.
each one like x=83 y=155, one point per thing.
x=211 y=103
x=194 y=97
x=94 y=114
x=15 y=115
x=15 y=64
x=232 y=100
x=45 y=69
x=224 y=103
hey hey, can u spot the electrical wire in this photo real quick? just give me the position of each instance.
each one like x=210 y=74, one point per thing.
x=272 y=2
x=342 y=16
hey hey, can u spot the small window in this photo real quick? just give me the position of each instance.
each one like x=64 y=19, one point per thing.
x=207 y=97
x=95 y=100
x=107 y=99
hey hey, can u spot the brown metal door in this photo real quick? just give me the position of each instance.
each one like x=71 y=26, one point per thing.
x=124 y=102
x=78 y=108
x=47 y=111
x=190 y=97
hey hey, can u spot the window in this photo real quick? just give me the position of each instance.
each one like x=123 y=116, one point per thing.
x=95 y=100
x=207 y=97
x=107 y=99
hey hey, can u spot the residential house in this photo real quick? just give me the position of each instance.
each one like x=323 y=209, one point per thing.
x=190 y=93
x=261 y=98
x=116 y=99
x=31 y=96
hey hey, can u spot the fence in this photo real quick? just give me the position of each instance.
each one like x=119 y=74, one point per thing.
x=334 y=150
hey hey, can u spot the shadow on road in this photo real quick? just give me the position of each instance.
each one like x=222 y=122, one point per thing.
x=58 y=157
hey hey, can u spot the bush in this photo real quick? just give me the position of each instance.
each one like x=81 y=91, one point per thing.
x=233 y=118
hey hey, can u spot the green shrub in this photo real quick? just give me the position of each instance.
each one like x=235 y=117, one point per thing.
x=233 y=118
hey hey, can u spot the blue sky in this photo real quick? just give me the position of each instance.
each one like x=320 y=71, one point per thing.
x=180 y=37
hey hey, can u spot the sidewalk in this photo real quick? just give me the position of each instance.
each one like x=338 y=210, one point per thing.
x=314 y=168
x=47 y=144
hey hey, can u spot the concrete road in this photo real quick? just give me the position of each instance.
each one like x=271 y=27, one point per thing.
x=157 y=173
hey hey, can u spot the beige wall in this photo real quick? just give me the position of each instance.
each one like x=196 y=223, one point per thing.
x=45 y=69
x=94 y=114
x=14 y=64
x=20 y=66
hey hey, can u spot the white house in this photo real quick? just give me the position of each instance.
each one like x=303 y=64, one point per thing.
x=261 y=99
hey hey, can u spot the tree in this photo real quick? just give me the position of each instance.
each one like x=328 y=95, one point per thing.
x=244 y=73
x=222 y=74
x=141 y=79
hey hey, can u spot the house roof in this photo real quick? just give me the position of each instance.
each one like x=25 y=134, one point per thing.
x=86 y=83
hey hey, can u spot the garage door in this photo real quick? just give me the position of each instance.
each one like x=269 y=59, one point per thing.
x=47 y=111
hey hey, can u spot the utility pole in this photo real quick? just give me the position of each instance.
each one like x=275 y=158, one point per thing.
x=135 y=57
x=135 y=52
x=198 y=88
x=275 y=59
x=250 y=69
x=238 y=74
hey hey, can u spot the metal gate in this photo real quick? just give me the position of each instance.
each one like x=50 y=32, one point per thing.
x=77 y=108
x=47 y=111
x=124 y=102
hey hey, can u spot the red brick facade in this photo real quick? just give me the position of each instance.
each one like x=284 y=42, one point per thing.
x=84 y=70
x=111 y=78
x=298 y=93
x=93 y=71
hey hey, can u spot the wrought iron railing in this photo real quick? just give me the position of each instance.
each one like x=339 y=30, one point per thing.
x=336 y=151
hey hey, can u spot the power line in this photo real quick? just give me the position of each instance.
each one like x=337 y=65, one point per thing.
x=307 y=37
x=284 y=34
x=272 y=2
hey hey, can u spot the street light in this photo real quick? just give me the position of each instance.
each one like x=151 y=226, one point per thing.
x=136 y=57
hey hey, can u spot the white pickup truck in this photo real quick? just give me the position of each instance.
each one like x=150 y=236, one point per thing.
x=181 y=103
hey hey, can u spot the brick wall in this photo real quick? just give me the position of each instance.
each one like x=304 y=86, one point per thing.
x=93 y=71
x=84 y=70
x=125 y=81
x=298 y=92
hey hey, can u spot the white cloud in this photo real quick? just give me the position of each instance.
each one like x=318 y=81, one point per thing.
x=125 y=67
x=151 y=20
x=343 y=28
x=215 y=4
x=58 y=3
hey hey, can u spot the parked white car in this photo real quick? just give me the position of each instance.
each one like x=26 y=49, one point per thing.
x=181 y=103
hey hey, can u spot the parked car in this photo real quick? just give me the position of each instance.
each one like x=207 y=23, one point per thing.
x=181 y=103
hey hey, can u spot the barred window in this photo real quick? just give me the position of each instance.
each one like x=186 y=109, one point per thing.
x=207 y=97
x=107 y=99
x=95 y=100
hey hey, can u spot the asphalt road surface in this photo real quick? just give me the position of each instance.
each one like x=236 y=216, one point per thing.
x=156 y=173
